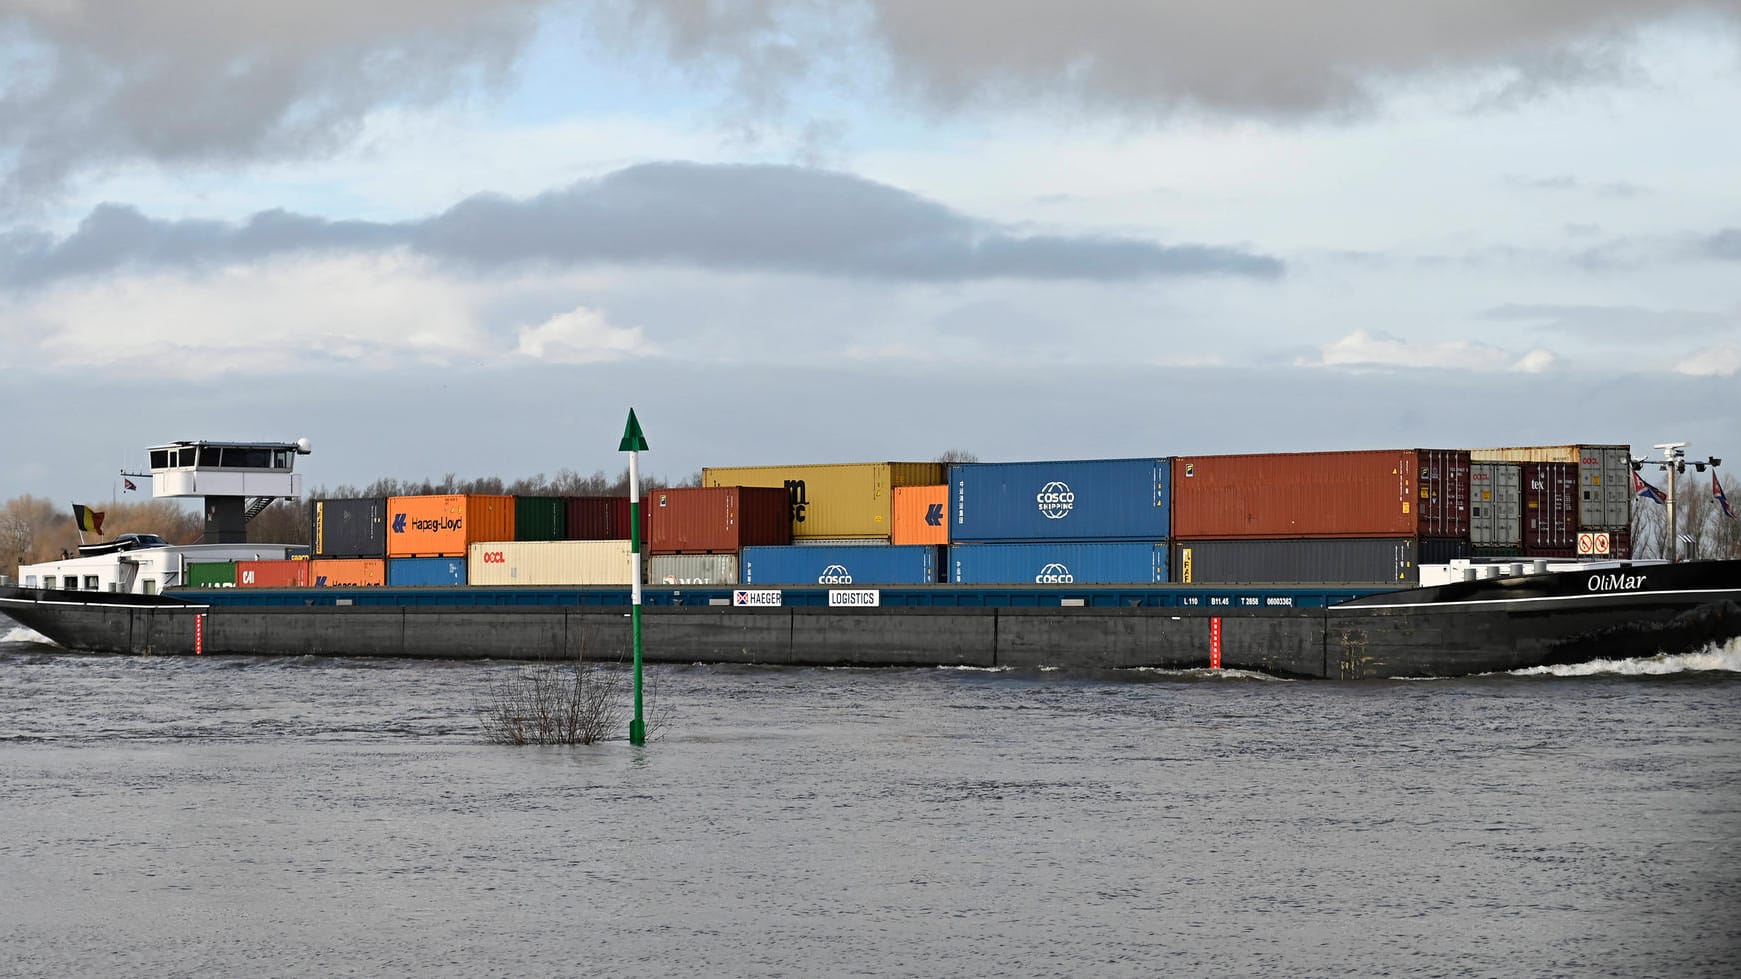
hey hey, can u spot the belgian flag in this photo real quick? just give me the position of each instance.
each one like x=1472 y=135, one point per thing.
x=88 y=519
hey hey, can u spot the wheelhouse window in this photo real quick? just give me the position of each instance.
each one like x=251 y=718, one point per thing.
x=160 y=458
x=48 y=581
x=150 y=586
x=91 y=583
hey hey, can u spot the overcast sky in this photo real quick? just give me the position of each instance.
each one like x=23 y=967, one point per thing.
x=455 y=236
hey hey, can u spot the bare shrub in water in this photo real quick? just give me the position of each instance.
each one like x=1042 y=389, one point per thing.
x=564 y=703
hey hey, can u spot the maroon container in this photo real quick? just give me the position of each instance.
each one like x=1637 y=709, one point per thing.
x=717 y=519
x=601 y=518
x=1550 y=509
x=1390 y=493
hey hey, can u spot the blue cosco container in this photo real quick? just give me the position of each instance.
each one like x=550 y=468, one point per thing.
x=1093 y=499
x=1059 y=563
x=906 y=564
x=409 y=572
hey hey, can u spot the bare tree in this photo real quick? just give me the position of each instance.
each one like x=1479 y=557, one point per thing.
x=952 y=456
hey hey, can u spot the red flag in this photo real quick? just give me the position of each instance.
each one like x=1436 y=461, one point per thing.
x=88 y=519
x=127 y=484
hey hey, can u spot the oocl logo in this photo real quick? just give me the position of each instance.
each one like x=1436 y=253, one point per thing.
x=834 y=574
x=1056 y=500
x=1054 y=574
x=494 y=557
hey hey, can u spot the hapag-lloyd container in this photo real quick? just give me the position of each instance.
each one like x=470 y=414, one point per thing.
x=911 y=564
x=560 y=562
x=347 y=572
x=1550 y=507
x=716 y=519
x=444 y=526
x=411 y=572
x=921 y=515
x=1496 y=504
x=348 y=528
x=272 y=574
x=1383 y=493
x=1059 y=563
x=603 y=518
x=1322 y=560
x=692 y=569
x=1077 y=500
x=848 y=499
x=1604 y=478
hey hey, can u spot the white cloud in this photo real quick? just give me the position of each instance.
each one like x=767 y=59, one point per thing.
x=1364 y=349
x=1712 y=362
x=1536 y=362
x=582 y=336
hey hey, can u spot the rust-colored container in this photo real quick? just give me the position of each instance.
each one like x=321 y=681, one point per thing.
x=1550 y=509
x=603 y=518
x=717 y=519
x=272 y=574
x=445 y=526
x=1383 y=493
x=921 y=514
x=347 y=572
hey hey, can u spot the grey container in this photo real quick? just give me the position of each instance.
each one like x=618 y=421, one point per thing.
x=666 y=570
x=1318 y=560
x=1496 y=504
x=348 y=528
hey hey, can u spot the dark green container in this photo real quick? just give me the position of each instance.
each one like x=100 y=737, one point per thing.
x=212 y=574
x=540 y=518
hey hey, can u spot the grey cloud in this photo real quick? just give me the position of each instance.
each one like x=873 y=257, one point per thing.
x=1613 y=322
x=730 y=218
x=1725 y=244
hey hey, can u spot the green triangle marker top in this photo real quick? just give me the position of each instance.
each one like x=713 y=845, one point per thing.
x=633 y=440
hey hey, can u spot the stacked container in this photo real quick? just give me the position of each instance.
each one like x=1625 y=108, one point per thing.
x=837 y=500
x=1598 y=499
x=567 y=562
x=1496 y=509
x=445 y=526
x=717 y=519
x=272 y=574
x=347 y=572
x=348 y=528
x=921 y=515
x=837 y=566
x=602 y=518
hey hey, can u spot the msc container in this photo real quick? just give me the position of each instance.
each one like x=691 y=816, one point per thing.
x=716 y=519
x=444 y=526
x=1383 y=493
x=921 y=515
x=692 y=569
x=849 y=499
x=348 y=528
x=211 y=574
x=1324 y=560
x=1496 y=504
x=539 y=518
x=1550 y=508
x=603 y=518
x=1604 y=478
x=347 y=572
x=272 y=574
x=911 y=564
x=1059 y=563
x=1098 y=499
x=404 y=572
x=562 y=562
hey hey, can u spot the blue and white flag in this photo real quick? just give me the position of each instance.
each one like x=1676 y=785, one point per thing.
x=1722 y=498
x=1645 y=491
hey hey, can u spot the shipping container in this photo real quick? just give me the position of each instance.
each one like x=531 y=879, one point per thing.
x=1604 y=478
x=1619 y=547
x=1496 y=504
x=562 y=562
x=1323 y=560
x=840 y=566
x=411 y=572
x=1384 y=493
x=1059 y=563
x=717 y=519
x=1550 y=507
x=604 y=518
x=272 y=574
x=348 y=528
x=347 y=572
x=444 y=526
x=1077 y=500
x=692 y=569
x=211 y=574
x=921 y=515
x=538 y=518
x=835 y=500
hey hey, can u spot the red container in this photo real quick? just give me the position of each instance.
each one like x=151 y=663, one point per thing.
x=602 y=518
x=1550 y=509
x=1384 y=493
x=272 y=574
x=717 y=519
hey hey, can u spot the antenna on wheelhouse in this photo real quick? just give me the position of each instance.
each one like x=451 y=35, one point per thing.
x=238 y=480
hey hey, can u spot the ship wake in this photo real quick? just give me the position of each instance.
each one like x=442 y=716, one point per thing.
x=1719 y=657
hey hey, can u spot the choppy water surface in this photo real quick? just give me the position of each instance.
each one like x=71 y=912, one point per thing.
x=325 y=817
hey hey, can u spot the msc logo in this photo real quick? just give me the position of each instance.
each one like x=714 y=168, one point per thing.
x=1055 y=500
x=834 y=574
x=1054 y=574
x=494 y=557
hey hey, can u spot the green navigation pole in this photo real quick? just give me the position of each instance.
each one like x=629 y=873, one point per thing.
x=634 y=443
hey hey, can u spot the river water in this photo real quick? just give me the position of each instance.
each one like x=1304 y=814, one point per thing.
x=321 y=817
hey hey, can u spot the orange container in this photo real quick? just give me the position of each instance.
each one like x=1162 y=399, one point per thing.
x=347 y=572
x=272 y=574
x=446 y=526
x=921 y=515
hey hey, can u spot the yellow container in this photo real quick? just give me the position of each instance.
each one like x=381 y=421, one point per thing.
x=921 y=515
x=443 y=526
x=835 y=500
x=550 y=562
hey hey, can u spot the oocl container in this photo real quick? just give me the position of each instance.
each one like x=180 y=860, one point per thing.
x=1383 y=493
x=1079 y=500
x=403 y=572
x=444 y=526
x=840 y=566
x=692 y=569
x=716 y=519
x=562 y=562
x=348 y=528
x=850 y=499
x=272 y=574
x=1604 y=478
x=921 y=515
x=1550 y=507
x=539 y=518
x=1059 y=563
x=1385 y=561
x=1496 y=504
x=347 y=572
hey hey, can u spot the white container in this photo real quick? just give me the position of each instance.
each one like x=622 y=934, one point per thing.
x=552 y=562
x=676 y=570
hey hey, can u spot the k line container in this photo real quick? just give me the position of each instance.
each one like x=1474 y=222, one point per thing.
x=1385 y=493
x=716 y=519
x=272 y=574
x=348 y=528
x=1059 y=563
x=539 y=518
x=563 y=562
x=1078 y=500
x=1325 y=560
x=921 y=515
x=407 y=572
x=1496 y=504
x=692 y=569
x=849 y=499
x=603 y=518
x=840 y=566
x=444 y=526
x=1550 y=506
x=1604 y=478
x=347 y=572
x=211 y=574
